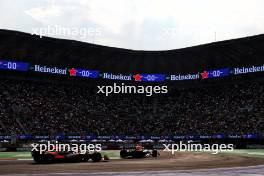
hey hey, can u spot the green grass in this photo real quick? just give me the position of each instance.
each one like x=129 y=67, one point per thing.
x=246 y=152
x=111 y=153
x=17 y=155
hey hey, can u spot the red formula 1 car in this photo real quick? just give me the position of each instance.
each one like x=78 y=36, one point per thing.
x=62 y=156
x=138 y=152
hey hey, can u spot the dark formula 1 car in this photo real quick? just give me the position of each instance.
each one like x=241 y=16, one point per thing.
x=133 y=153
x=55 y=156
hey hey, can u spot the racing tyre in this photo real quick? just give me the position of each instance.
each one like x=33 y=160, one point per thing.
x=96 y=157
x=49 y=159
x=123 y=154
x=155 y=153
x=77 y=159
x=85 y=158
x=38 y=159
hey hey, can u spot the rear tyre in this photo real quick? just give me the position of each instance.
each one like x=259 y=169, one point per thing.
x=49 y=159
x=96 y=157
x=38 y=159
x=155 y=153
x=71 y=157
x=123 y=153
x=77 y=159
x=85 y=158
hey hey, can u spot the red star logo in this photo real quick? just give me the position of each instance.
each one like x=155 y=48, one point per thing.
x=137 y=77
x=72 y=72
x=204 y=75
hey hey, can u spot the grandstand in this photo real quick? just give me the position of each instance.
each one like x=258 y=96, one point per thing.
x=44 y=104
x=45 y=109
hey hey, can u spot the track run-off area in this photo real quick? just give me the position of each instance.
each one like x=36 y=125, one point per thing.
x=238 y=162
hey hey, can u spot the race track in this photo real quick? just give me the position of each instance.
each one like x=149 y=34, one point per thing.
x=180 y=164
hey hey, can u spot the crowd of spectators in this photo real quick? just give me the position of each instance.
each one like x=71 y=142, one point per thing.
x=28 y=107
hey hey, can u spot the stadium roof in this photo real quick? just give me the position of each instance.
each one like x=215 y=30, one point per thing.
x=58 y=52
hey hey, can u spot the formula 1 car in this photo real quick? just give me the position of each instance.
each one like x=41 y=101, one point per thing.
x=138 y=152
x=61 y=156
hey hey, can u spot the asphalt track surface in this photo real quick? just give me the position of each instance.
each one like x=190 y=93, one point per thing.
x=182 y=164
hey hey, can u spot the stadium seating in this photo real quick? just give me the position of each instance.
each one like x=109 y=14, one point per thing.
x=29 y=107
